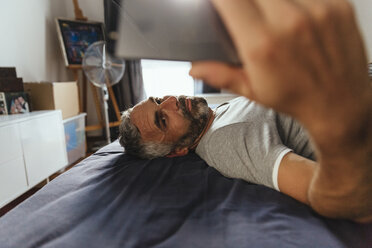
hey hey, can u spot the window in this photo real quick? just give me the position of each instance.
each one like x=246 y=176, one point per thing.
x=167 y=78
x=163 y=78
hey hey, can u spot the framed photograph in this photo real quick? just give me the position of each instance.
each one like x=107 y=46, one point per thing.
x=76 y=36
x=14 y=103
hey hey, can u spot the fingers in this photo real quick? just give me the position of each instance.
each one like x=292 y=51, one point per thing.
x=339 y=34
x=296 y=52
x=282 y=14
x=253 y=24
x=243 y=19
x=224 y=76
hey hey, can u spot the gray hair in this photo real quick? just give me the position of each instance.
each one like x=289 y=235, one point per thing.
x=130 y=139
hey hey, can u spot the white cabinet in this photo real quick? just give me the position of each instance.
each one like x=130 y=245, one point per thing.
x=10 y=143
x=13 y=181
x=32 y=147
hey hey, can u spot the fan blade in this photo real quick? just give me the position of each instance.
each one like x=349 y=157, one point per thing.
x=100 y=67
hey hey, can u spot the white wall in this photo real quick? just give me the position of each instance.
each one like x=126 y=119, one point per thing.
x=29 y=41
x=28 y=38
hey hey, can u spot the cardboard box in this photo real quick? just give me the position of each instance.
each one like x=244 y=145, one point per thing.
x=57 y=95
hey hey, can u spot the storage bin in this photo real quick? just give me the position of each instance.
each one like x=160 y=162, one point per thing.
x=75 y=137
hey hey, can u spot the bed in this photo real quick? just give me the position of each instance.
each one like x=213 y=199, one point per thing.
x=111 y=199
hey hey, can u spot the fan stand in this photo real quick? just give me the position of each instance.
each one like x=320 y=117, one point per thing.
x=105 y=96
x=82 y=93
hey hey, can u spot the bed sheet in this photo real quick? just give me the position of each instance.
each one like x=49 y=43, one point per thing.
x=111 y=199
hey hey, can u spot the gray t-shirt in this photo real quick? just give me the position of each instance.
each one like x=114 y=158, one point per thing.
x=248 y=141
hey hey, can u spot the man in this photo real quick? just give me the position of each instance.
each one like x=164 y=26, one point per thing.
x=240 y=138
x=307 y=59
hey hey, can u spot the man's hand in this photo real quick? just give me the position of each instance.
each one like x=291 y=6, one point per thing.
x=302 y=57
x=306 y=58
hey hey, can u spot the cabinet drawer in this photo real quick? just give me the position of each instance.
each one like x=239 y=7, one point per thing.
x=10 y=143
x=13 y=180
x=44 y=146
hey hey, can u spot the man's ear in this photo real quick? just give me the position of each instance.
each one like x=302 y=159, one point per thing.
x=178 y=152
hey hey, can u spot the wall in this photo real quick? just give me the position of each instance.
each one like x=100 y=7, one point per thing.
x=363 y=9
x=29 y=41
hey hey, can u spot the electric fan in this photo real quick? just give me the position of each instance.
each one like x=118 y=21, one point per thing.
x=103 y=71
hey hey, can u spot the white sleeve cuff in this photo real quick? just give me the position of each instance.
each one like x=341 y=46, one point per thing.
x=276 y=167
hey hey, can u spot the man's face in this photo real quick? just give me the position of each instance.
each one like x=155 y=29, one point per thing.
x=21 y=100
x=168 y=119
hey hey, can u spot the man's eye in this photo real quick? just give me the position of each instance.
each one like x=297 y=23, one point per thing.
x=163 y=121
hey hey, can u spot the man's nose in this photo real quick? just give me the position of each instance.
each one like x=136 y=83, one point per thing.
x=170 y=103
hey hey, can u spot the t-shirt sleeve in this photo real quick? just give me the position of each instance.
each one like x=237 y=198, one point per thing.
x=251 y=152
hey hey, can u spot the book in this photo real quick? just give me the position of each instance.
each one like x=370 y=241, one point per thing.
x=14 y=103
x=8 y=72
x=10 y=84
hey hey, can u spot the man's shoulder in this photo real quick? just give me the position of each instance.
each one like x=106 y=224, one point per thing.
x=241 y=110
x=219 y=142
x=220 y=137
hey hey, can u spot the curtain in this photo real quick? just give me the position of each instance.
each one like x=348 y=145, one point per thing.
x=130 y=89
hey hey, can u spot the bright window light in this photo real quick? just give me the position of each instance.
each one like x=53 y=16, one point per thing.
x=167 y=78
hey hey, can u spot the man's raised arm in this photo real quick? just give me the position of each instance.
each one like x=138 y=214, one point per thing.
x=306 y=58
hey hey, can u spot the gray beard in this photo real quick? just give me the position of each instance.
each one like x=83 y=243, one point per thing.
x=198 y=118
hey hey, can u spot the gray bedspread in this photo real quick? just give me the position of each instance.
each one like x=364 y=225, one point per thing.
x=111 y=199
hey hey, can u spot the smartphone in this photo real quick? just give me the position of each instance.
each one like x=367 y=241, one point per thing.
x=184 y=30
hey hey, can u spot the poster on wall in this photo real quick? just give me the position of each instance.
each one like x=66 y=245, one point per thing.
x=76 y=36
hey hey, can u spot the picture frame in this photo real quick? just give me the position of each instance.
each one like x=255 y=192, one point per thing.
x=75 y=37
x=14 y=103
